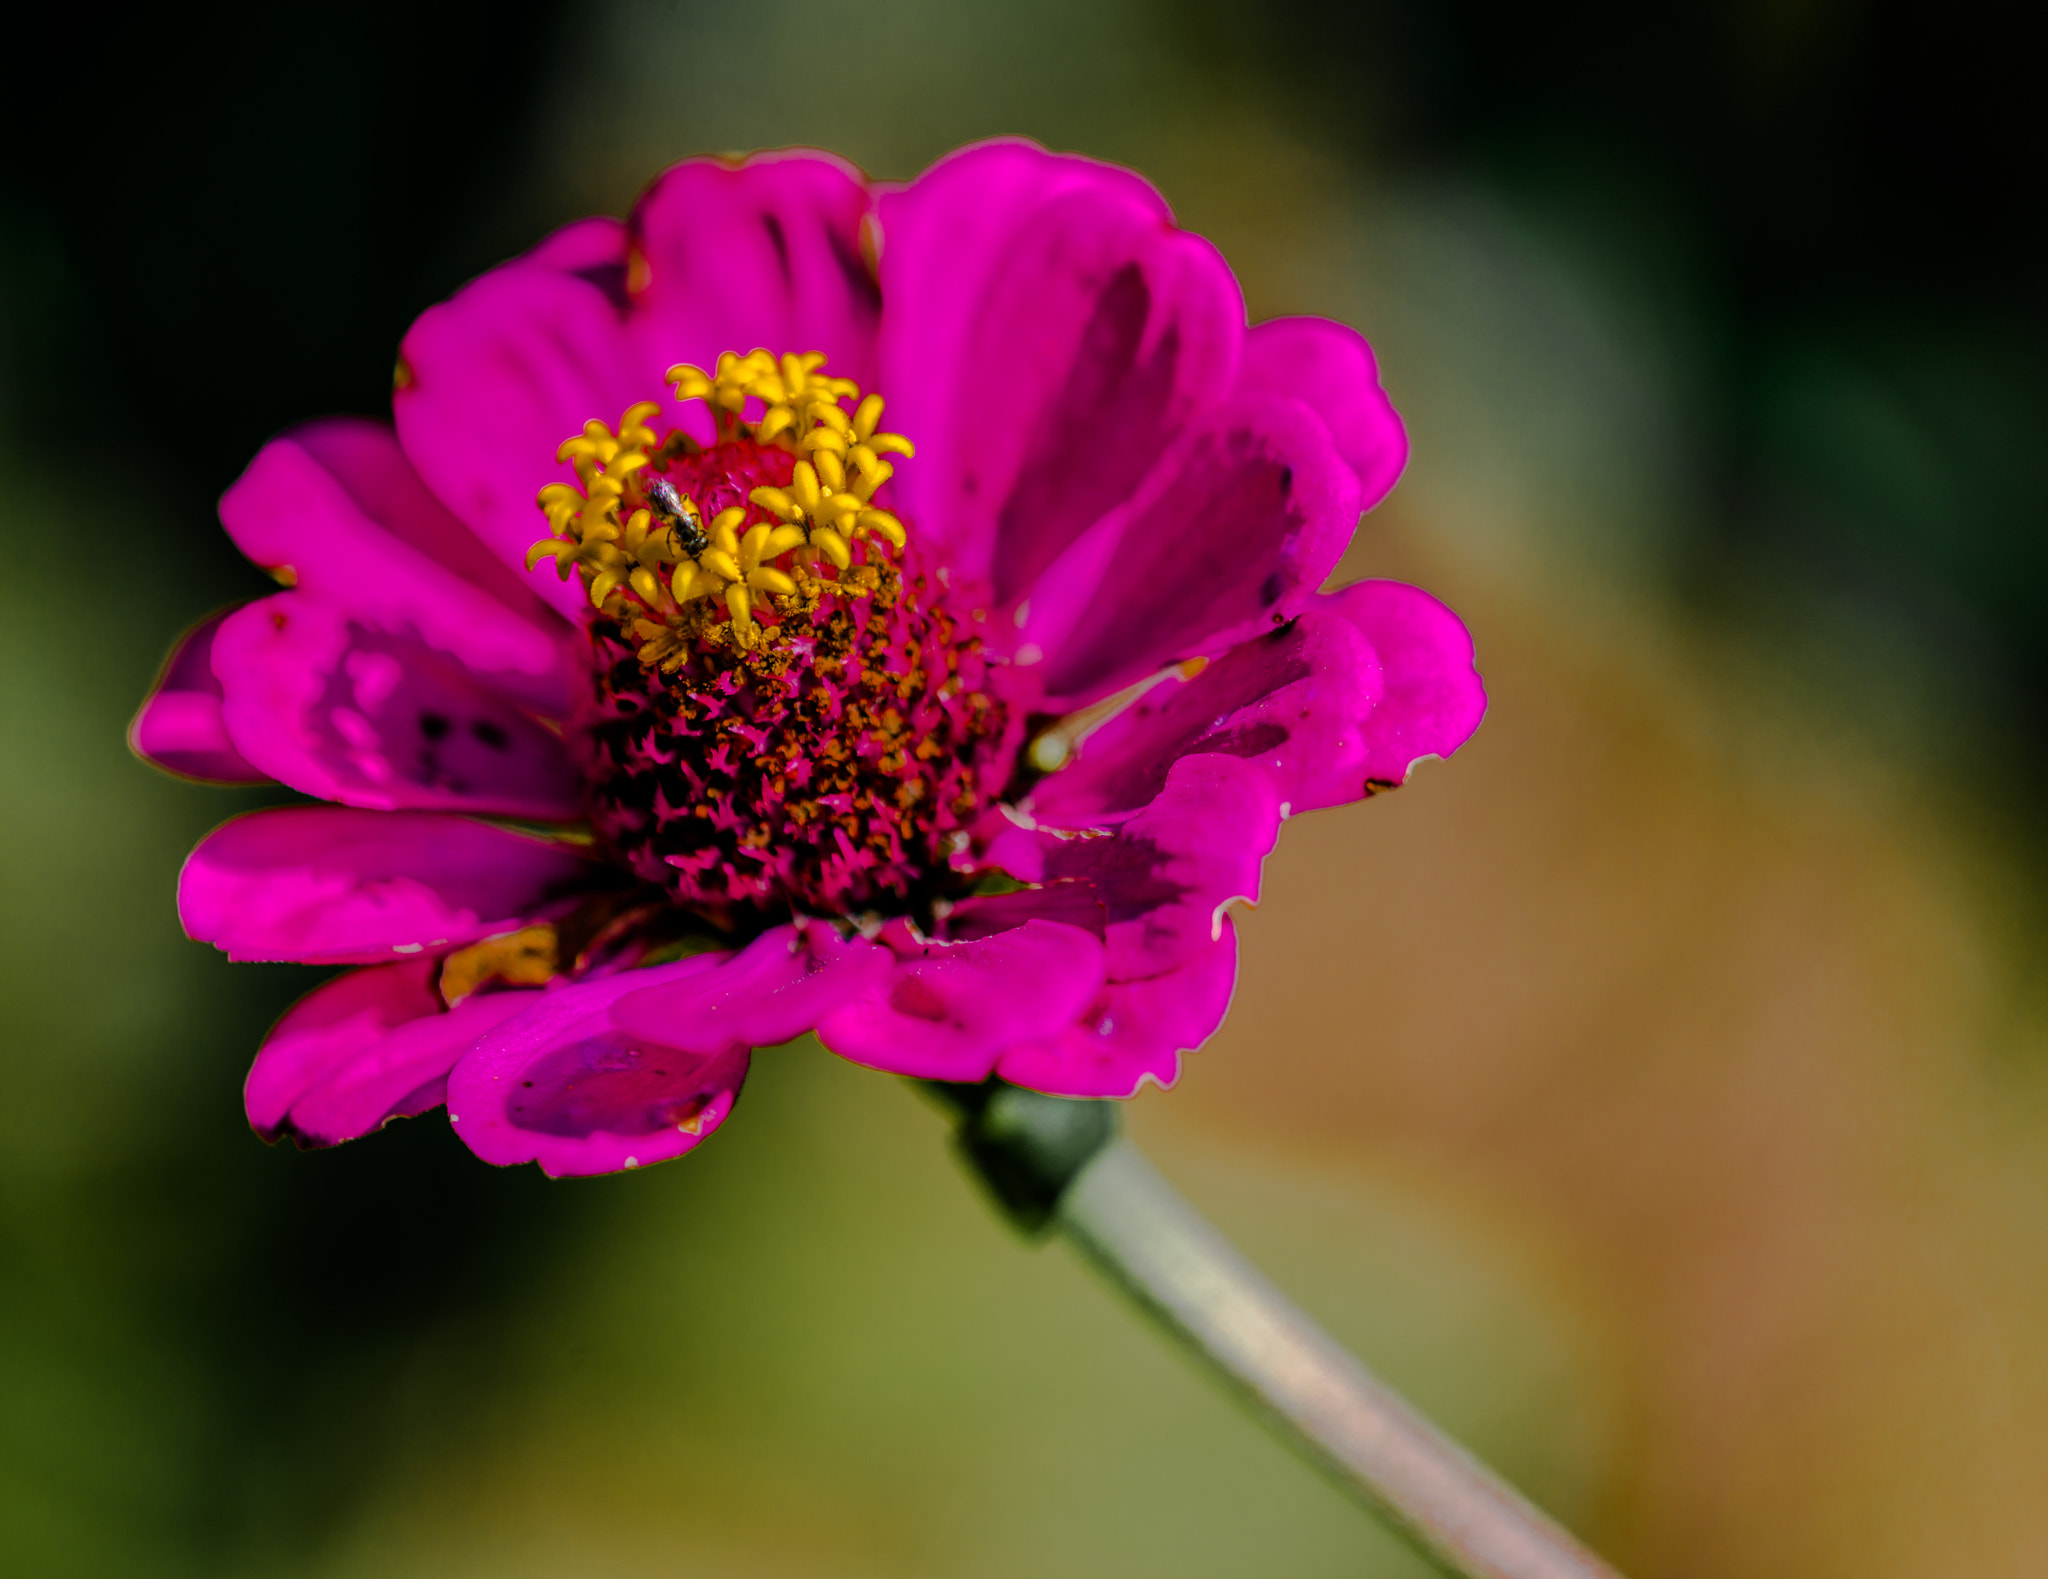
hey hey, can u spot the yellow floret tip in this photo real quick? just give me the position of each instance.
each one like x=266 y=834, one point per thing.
x=642 y=548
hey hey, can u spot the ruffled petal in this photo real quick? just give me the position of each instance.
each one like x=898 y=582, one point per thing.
x=360 y=716
x=179 y=727
x=492 y=381
x=336 y=511
x=1165 y=874
x=1295 y=702
x=1049 y=333
x=766 y=253
x=1433 y=698
x=1231 y=537
x=1330 y=366
x=947 y=1010
x=773 y=991
x=562 y=1086
x=367 y=1047
x=1134 y=1031
x=329 y=886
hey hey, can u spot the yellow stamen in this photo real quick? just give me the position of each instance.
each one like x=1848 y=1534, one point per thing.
x=639 y=545
x=885 y=523
x=833 y=546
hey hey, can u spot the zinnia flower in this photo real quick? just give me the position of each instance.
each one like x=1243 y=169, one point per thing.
x=948 y=736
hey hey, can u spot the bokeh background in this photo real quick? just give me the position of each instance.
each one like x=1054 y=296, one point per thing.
x=1657 y=1092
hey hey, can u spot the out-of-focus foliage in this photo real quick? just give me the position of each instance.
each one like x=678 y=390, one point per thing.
x=1828 y=213
x=1655 y=1091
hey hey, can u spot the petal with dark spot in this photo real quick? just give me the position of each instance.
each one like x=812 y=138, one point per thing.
x=1295 y=702
x=1165 y=874
x=563 y=1086
x=766 y=252
x=1232 y=535
x=1050 y=331
x=337 y=510
x=353 y=714
x=1074 y=904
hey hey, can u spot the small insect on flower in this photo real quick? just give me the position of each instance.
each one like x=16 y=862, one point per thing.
x=673 y=511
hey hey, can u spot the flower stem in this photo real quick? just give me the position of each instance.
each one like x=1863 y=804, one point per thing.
x=1055 y=1164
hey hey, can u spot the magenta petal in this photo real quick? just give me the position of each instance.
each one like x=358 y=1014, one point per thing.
x=179 y=727
x=948 y=1010
x=494 y=380
x=1134 y=1032
x=1433 y=697
x=371 y=466
x=563 y=1086
x=1295 y=703
x=329 y=886
x=1165 y=874
x=1049 y=332
x=1330 y=366
x=1230 y=537
x=329 y=1026
x=356 y=715
x=984 y=915
x=369 y=1046
x=592 y=249
x=402 y=1076
x=762 y=253
x=773 y=991
x=305 y=508
x=944 y=238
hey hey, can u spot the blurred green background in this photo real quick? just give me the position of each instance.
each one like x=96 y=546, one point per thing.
x=1655 y=1092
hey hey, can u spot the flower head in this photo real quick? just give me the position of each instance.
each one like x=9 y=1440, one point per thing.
x=926 y=656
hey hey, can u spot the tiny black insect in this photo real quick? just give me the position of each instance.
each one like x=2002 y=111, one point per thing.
x=676 y=513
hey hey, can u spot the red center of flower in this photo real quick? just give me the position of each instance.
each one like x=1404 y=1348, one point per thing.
x=785 y=715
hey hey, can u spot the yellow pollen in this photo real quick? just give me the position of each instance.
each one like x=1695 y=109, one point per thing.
x=525 y=958
x=643 y=549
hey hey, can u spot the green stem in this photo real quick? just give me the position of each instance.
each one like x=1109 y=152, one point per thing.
x=1054 y=1164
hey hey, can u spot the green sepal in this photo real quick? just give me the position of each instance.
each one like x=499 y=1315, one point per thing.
x=1025 y=1147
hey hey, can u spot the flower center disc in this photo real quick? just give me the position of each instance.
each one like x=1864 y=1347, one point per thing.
x=785 y=717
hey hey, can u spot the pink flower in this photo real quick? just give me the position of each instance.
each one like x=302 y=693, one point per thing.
x=951 y=747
